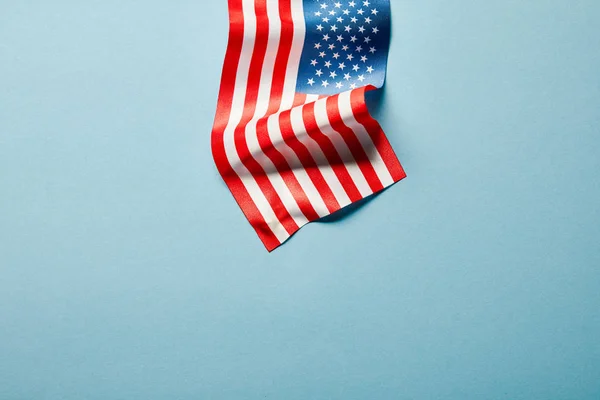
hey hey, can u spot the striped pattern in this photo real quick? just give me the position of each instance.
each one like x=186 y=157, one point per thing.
x=290 y=158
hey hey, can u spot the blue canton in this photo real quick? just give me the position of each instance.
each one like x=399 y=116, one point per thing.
x=346 y=45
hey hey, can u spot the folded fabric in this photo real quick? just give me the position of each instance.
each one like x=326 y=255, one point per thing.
x=293 y=138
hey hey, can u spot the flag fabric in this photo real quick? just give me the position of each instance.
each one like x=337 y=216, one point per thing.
x=293 y=138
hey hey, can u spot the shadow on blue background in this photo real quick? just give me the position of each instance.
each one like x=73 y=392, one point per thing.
x=350 y=210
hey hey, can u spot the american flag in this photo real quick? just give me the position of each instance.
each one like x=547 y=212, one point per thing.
x=292 y=138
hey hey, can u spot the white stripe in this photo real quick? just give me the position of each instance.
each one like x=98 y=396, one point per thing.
x=262 y=106
x=360 y=131
x=237 y=108
x=315 y=150
x=291 y=73
x=298 y=170
x=287 y=101
x=311 y=98
x=342 y=148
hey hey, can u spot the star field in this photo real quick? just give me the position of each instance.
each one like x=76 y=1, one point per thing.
x=346 y=45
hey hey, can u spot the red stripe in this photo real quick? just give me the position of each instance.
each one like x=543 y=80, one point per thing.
x=285 y=170
x=283 y=55
x=253 y=87
x=362 y=115
x=299 y=100
x=307 y=162
x=277 y=86
x=234 y=183
x=358 y=152
x=334 y=159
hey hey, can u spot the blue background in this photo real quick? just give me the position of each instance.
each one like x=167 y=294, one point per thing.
x=128 y=271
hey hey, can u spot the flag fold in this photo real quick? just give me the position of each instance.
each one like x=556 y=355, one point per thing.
x=293 y=138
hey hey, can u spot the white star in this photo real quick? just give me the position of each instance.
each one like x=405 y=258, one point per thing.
x=368 y=20
x=353 y=86
x=325 y=19
x=313 y=62
x=342 y=66
x=348 y=28
x=311 y=81
x=340 y=38
x=325 y=84
x=350 y=57
x=361 y=29
x=347 y=76
x=375 y=30
x=359 y=48
x=325 y=37
x=366 y=3
x=319 y=27
x=361 y=78
x=336 y=55
x=346 y=12
x=332 y=74
x=317 y=46
x=353 y=39
x=367 y=39
x=338 y=4
x=374 y=11
x=322 y=54
x=318 y=13
x=352 y=4
x=370 y=70
x=331 y=46
x=319 y=73
x=360 y=12
x=339 y=19
x=338 y=85
x=354 y=68
x=363 y=58
x=323 y=6
x=345 y=47
x=354 y=20
x=334 y=28
x=331 y=12
x=328 y=64
x=372 y=50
